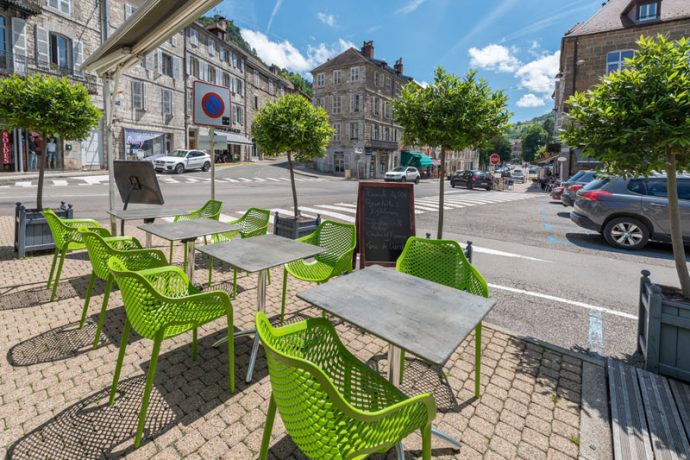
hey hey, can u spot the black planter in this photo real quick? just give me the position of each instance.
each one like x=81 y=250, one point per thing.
x=31 y=231
x=663 y=335
x=291 y=227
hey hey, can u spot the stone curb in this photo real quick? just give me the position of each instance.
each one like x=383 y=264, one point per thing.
x=11 y=179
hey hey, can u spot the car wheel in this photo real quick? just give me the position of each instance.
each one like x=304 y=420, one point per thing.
x=416 y=181
x=452 y=184
x=626 y=233
x=404 y=179
x=206 y=166
x=179 y=169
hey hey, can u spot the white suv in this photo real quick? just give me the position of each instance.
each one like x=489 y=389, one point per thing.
x=403 y=174
x=179 y=161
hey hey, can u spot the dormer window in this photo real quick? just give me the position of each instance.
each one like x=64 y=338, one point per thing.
x=648 y=11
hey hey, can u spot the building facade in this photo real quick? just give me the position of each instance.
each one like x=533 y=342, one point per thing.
x=601 y=44
x=356 y=90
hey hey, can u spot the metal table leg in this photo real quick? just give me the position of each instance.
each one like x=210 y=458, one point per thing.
x=189 y=247
x=148 y=235
x=260 y=306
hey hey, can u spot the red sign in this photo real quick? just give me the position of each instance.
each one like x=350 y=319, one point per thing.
x=494 y=159
x=212 y=105
x=5 y=147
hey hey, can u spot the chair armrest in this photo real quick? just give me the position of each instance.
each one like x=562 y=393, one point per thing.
x=256 y=232
x=344 y=263
x=123 y=242
x=223 y=237
x=168 y=281
x=141 y=259
x=309 y=239
x=88 y=223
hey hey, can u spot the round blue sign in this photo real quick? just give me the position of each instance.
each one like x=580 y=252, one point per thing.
x=212 y=105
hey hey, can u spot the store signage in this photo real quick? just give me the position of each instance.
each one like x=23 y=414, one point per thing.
x=6 y=147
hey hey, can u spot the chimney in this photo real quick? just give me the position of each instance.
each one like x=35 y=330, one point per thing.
x=368 y=49
x=398 y=67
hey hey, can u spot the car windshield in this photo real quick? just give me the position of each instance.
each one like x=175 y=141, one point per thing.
x=398 y=169
x=517 y=173
x=596 y=184
x=576 y=176
x=178 y=153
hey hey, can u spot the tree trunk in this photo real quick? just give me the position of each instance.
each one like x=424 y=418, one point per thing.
x=292 y=182
x=676 y=232
x=441 y=181
x=41 y=172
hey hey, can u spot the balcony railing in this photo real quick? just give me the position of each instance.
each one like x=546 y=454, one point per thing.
x=30 y=7
x=21 y=65
x=386 y=145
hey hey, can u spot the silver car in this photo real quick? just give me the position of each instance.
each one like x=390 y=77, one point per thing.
x=403 y=174
x=629 y=212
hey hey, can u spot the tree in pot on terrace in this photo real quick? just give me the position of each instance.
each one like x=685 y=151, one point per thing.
x=50 y=106
x=292 y=125
x=637 y=121
x=452 y=113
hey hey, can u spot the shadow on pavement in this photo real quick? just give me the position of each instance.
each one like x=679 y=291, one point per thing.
x=597 y=242
x=21 y=296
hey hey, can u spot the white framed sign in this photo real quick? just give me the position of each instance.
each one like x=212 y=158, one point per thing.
x=212 y=105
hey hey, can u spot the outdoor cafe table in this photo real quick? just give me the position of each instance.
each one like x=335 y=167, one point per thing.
x=148 y=215
x=425 y=318
x=259 y=254
x=188 y=231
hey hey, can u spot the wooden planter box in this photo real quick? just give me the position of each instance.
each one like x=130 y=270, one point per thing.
x=663 y=335
x=292 y=228
x=31 y=231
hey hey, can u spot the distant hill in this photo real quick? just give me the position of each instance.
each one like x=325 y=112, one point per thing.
x=516 y=130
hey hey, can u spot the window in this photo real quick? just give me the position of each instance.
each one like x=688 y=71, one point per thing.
x=337 y=104
x=62 y=6
x=615 y=60
x=320 y=79
x=376 y=134
x=386 y=134
x=637 y=186
x=193 y=37
x=129 y=10
x=271 y=84
x=211 y=74
x=354 y=131
x=337 y=77
x=227 y=81
x=194 y=64
x=354 y=74
x=647 y=11
x=386 y=109
x=167 y=97
x=388 y=82
x=60 y=51
x=377 y=106
x=318 y=102
x=166 y=64
x=336 y=134
x=355 y=103
x=657 y=187
x=256 y=77
x=211 y=46
x=3 y=42
x=173 y=40
x=237 y=115
x=684 y=189
x=239 y=86
x=138 y=95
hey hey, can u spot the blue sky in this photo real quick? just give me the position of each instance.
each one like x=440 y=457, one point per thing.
x=514 y=44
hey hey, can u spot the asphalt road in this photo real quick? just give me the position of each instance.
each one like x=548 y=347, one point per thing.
x=553 y=280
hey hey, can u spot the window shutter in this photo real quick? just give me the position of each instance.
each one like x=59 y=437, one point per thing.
x=66 y=6
x=54 y=4
x=149 y=64
x=219 y=77
x=19 y=45
x=203 y=69
x=129 y=10
x=194 y=37
x=176 y=68
x=42 y=49
x=210 y=46
x=159 y=58
x=352 y=102
x=188 y=64
x=173 y=40
x=78 y=54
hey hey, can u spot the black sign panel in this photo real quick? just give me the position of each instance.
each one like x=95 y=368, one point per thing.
x=385 y=220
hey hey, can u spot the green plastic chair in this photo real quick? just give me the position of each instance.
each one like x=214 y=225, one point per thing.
x=339 y=240
x=210 y=210
x=444 y=262
x=254 y=222
x=161 y=303
x=332 y=404
x=125 y=248
x=67 y=239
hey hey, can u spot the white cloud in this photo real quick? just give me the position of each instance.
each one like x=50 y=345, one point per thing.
x=538 y=76
x=494 y=57
x=276 y=8
x=327 y=19
x=285 y=55
x=409 y=7
x=531 y=100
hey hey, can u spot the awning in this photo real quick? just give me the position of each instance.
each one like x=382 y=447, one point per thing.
x=543 y=161
x=416 y=159
x=436 y=162
x=235 y=138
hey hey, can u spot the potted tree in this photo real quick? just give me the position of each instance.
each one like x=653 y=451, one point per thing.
x=637 y=122
x=292 y=125
x=52 y=107
x=452 y=113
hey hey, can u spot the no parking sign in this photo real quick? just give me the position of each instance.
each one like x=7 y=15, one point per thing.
x=211 y=105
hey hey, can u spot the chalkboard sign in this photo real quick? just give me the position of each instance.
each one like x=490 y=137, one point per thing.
x=385 y=220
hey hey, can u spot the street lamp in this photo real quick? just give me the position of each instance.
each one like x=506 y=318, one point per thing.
x=562 y=161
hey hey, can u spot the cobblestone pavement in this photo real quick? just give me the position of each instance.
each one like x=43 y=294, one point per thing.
x=54 y=386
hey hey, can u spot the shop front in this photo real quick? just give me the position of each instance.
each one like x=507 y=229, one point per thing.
x=141 y=144
x=21 y=150
x=419 y=160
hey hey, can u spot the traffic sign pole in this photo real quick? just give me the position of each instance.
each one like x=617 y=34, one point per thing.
x=212 y=142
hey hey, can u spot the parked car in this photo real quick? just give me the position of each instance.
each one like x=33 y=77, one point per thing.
x=403 y=174
x=556 y=193
x=575 y=183
x=629 y=212
x=533 y=169
x=472 y=179
x=181 y=160
x=518 y=176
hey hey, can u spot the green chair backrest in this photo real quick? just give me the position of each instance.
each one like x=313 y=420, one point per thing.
x=254 y=222
x=210 y=210
x=337 y=238
x=62 y=234
x=443 y=262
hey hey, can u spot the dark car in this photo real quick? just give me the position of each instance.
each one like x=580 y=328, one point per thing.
x=472 y=179
x=629 y=212
x=575 y=183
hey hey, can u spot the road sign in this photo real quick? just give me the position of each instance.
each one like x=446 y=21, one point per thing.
x=211 y=105
x=494 y=159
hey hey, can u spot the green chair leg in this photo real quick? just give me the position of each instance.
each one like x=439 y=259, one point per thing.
x=194 y=345
x=234 y=283
x=268 y=428
x=63 y=254
x=231 y=354
x=147 y=391
x=185 y=257
x=104 y=307
x=402 y=365
x=477 y=358
x=426 y=443
x=85 y=310
x=120 y=358
x=52 y=267
x=282 y=302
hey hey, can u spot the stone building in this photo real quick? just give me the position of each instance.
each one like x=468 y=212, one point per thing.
x=600 y=45
x=356 y=89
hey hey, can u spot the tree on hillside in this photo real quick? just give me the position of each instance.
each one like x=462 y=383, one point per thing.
x=534 y=137
x=297 y=80
x=452 y=113
x=497 y=144
x=637 y=121
x=548 y=126
x=53 y=107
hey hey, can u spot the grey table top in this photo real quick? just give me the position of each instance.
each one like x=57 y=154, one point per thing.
x=146 y=213
x=188 y=230
x=420 y=316
x=260 y=252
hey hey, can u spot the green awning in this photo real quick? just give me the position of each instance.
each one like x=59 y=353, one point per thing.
x=416 y=159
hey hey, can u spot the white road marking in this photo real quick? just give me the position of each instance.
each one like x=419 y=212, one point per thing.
x=337 y=208
x=258 y=179
x=23 y=184
x=495 y=252
x=244 y=179
x=347 y=205
x=59 y=182
x=272 y=179
x=335 y=215
x=231 y=180
x=285 y=178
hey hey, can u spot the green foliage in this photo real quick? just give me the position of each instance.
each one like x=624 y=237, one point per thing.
x=533 y=138
x=452 y=112
x=546 y=121
x=51 y=106
x=297 y=80
x=291 y=124
x=632 y=118
x=497 y=144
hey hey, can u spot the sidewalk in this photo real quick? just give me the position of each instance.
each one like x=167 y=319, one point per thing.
x=54 y=386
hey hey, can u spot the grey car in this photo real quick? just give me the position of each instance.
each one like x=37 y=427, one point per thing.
x=575 y=183
x=629 y=212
